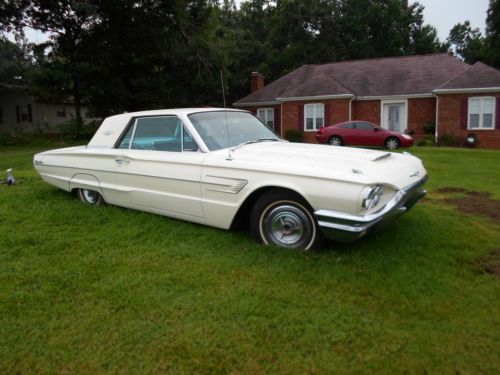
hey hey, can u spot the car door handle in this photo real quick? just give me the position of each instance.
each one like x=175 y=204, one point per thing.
x=121 y=161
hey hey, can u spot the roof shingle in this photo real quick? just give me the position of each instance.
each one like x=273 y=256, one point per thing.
x=407 y=75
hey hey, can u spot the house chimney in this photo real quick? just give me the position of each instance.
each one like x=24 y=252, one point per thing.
x=256 y=81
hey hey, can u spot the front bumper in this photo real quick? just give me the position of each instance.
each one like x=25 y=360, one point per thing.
x=343 y=227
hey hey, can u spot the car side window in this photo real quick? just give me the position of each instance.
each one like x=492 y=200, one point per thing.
x=348 y=126
x=188 y=142
x=160 y=133
x=364 y=126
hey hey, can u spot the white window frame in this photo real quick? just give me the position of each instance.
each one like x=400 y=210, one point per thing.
x=315 y=125
x=266 y=119
x=481 y=113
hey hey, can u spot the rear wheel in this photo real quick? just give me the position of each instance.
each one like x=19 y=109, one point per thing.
x=392 y=143
x=91 y=197
x=284 y=219
x=336 y=141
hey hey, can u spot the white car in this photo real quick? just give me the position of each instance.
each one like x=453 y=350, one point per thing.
x=225 y=168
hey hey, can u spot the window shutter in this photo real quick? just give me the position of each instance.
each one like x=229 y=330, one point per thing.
x=497 y=114
x=30 y=118
x=301 y=117
x=17 y=114
x=326 y=108
x=464 y=113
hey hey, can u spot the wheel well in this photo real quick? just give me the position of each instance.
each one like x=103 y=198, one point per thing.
x=391 y=136
x=242 y=218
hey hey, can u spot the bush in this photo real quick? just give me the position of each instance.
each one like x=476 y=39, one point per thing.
x=428 y=140
x=294 y=135
x=430 y=128
x=450 y=140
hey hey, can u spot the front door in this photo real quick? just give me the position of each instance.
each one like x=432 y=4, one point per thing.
x=157 y=168
x=394 y=116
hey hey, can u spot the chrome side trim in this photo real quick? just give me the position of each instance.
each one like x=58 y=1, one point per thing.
x=234 y=185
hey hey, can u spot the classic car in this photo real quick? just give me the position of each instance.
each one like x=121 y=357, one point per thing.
x=225 y=168
x=362 y=133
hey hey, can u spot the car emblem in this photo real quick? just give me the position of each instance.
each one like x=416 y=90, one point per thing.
x=416 y=174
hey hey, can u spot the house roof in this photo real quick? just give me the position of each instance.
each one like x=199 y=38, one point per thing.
x=408 y=75
x=478 y=75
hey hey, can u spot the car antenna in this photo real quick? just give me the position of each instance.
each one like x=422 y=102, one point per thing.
x=229 y=156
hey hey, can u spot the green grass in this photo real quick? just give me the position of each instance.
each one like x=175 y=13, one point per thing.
x=110 y=290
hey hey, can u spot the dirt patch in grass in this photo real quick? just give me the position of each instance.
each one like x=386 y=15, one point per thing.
x=474 y=202
x=491 y=263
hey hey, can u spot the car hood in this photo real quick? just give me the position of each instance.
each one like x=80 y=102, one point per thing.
x=322 y=161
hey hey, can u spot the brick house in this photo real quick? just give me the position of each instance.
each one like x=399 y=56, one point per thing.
x=399 y=93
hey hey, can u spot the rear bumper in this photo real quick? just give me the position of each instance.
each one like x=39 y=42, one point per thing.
x=343 y=227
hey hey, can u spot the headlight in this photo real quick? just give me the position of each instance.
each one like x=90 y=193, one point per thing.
x=371 y=196
x=406 y=136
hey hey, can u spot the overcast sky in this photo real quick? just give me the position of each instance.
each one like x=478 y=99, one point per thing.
x=442 y=14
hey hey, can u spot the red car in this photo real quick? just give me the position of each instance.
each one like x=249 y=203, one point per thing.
x=362 y=133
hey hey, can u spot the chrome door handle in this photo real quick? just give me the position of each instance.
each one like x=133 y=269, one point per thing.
x=121 y=161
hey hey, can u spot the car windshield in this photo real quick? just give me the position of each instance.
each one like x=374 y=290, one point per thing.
x=241 y=127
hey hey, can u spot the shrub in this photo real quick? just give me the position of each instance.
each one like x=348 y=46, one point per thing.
x=450 y=140
x=430 y=128
x=428 y=140
x=294 y=135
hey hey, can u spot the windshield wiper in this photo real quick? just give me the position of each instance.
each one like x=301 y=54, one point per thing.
x=258 y=140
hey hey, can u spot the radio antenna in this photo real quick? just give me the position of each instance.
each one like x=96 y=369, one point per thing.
x=229 y=156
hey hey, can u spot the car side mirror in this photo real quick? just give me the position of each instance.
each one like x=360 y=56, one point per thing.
x=376 y=129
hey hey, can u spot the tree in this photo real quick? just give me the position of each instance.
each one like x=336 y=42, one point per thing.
x=15 y=62
x=468 y=43
x=493 y=34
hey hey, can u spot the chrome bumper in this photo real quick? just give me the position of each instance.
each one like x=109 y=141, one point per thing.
x=343 y=227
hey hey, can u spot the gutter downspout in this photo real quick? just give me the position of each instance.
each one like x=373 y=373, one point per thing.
x=350 y=108
x=436 y=131
x=281 y=120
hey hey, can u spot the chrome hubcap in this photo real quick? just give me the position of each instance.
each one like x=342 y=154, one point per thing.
x=335 y=142
x=392 y=144
x=287 y=226
x=90 y=196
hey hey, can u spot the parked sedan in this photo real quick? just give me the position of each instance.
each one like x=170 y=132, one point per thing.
x=225 y=168
x=362 y=133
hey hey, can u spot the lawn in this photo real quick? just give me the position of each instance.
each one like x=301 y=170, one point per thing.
x=111 y=290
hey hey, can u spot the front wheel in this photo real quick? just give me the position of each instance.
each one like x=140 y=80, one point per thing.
x=392 y=143
x=91 y=197
x=284 y=219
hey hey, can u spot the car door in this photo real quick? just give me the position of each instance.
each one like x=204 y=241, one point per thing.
x=366 y=134
x=158 y=168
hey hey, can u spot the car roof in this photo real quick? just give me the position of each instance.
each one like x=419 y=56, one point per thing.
x=176 y=111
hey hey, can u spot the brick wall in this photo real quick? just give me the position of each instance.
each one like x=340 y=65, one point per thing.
x=421 y=112
x=450 y=119
x=367 y=110
x=335 y=111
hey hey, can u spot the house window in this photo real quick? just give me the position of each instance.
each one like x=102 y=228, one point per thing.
x=314 y=116
x=61 y=111
x=481 y=112
x=267 y=116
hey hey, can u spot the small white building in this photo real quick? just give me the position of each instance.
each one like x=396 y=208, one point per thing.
x=22 y=113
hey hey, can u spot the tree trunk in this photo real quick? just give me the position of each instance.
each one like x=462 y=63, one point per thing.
x=78 y=105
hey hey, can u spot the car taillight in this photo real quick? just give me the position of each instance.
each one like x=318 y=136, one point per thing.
x=321 y=130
